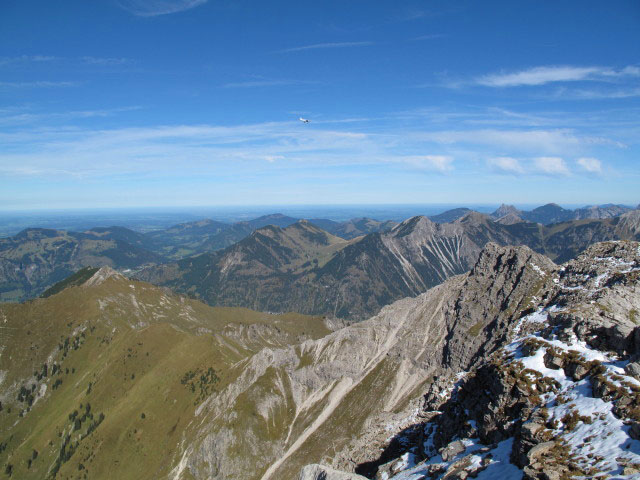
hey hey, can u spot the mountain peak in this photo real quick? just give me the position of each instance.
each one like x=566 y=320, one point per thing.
x=549 y=206
x=101 y=275
x=504 y=210
x=450 y=215
x=305 y=225
x=473 y=217
x=418 y=223
x=31 y=233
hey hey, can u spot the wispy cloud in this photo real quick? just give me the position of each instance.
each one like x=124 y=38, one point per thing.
x=552 y=74
x=529 y=141
x=38 y=84
x=66 y=61
x=265 y=83
x=26 y=59
x=438 y=163
x=505 y=165
x=385 y=144
x=153 y=8
x=551 y=166
x=105 y=61
x=14 y=117
x=605 y=93
x=431 y=36
x=589 y=164
x=317 y=46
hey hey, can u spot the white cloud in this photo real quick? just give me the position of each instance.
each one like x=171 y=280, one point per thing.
x=104 y=61
x=26 y=59
x=11 y=117
x=438 y=163
x=432 y=36
x=265 y=83
x=38 y=84
x=505 y=164
x=551 y=165
x=591 y=165
x=530 y=141
x=152 y=8
x=551 y=74
x=325 y=45
x=599 y=94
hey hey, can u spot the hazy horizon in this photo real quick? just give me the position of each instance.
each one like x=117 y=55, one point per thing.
x=157 y=218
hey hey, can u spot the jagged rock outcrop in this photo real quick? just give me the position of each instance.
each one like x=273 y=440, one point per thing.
x=553 y=404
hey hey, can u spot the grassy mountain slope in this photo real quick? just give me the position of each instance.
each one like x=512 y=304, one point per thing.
x=103 y=380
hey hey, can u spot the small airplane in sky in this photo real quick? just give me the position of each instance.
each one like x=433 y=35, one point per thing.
x=303 y=120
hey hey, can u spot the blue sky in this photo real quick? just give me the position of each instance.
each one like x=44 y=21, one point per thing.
x=113 y=103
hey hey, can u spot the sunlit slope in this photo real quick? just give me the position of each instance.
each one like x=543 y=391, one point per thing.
x=103 y=380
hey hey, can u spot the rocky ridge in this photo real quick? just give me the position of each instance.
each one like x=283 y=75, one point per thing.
x=558 y=397
x=380 y=365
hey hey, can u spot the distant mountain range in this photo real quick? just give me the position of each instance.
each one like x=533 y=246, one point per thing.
x=35 y=259
x=304 y=269
x=553 y=213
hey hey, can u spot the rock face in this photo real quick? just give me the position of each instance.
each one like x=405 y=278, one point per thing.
x=555 y=397
x=354 y=280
